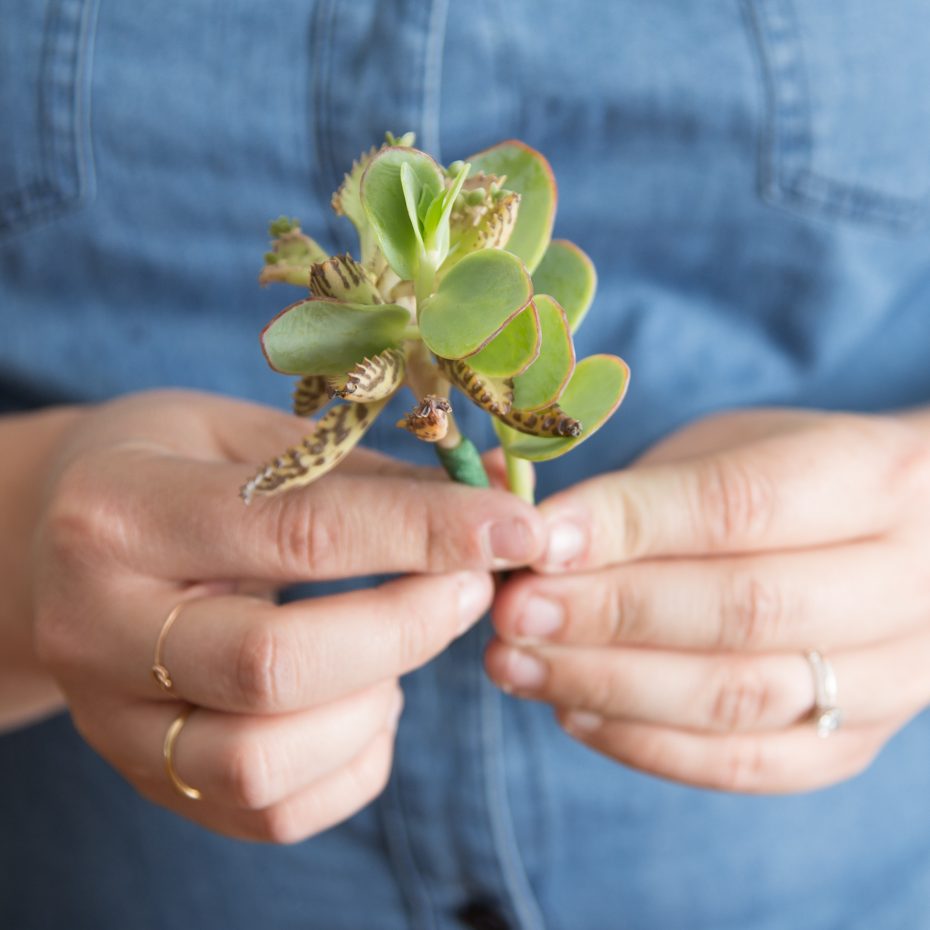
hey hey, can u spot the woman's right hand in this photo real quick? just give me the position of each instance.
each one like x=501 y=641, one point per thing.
x=296 y=705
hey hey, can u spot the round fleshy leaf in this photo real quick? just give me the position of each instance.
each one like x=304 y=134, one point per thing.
x=530 y=175
x=568 y=275
x=327 y=337
x=474 y=302
x=513 y=350
x=389 y=202
x=543 y=382
x=594 y=392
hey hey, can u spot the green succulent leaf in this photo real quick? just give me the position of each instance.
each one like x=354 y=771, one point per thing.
x=594 y=392
x=393 y=197
x=474 y=302
x=543 y=382
x=514 y=349
x=343 y=278
x=436 y=221
x=568 y=275
x=329 y=337
x=530 y=175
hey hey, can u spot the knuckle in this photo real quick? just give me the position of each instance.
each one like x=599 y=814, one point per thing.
x=734 y=502
x=425 y=537
x=431 y=539
x=82 y=522
x=307 y=536
x=909 y=466
x=744 y=765
x=371 y=771
x=600 y=693
x=249 y=774
x=266 y=672
x=51 y=635
x=739 y=697
x=278 y=825
x=621 y=604
x=416 y=638
x=752 y=612
x=625 y=511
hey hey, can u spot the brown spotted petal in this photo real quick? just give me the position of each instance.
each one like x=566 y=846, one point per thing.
x=550 y=421
x=311 y=394
x=343 y=278
x=336 y=434
x=372 y=379
x=492 y=394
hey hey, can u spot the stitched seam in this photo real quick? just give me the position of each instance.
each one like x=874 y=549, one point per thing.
x=787 y=171
x=500 y=819
x=322 y=44
x=66 y=175
x=432 y=77
x=407 y=874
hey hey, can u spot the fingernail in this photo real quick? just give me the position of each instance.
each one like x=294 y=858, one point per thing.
x=541 y=618
x=525 y=672
x=583 y=721
x=511 y=542
x=567 y=541
x=475 y=591
x=395 y=709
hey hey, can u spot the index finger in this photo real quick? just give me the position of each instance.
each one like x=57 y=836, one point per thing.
x=829 y=483
x=182 y=519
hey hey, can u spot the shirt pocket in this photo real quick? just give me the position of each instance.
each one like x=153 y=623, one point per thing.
x=46 y=160
x=848 y=127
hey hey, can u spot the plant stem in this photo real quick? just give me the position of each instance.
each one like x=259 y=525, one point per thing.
x=520 y=477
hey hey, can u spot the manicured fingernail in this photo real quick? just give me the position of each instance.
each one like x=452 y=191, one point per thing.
x=567 y=541
x=525 y=672
x=511 y=542
x=395 y=709
x=541 y=618
x=475 y=590
x=583 y=721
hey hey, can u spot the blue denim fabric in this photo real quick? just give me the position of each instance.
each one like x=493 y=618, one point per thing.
x=752 y=180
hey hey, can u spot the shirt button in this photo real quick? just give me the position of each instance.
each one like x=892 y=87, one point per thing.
x=479 y=915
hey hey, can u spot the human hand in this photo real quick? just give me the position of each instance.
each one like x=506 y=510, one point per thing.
x=679 y=597
x=295 y=706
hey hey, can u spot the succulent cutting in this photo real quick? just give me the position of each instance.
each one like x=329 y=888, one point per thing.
x=458 y=283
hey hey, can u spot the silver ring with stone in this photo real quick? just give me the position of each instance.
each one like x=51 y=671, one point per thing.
x=826 y=716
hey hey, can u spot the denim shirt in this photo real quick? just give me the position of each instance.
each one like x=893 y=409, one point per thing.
x=752 y=180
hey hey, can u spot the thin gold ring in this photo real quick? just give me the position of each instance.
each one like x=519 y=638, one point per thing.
x=181 y=786
x=159 y=672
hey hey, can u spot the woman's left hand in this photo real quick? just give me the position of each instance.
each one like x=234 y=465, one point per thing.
x=671 y=619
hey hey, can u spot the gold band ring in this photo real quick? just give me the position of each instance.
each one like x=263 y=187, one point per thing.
x=159 y=672
x=171 y=737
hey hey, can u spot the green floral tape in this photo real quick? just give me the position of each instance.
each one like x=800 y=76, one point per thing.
x=463 y=464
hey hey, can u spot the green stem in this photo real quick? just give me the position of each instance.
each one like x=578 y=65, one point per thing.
x=520 y=477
